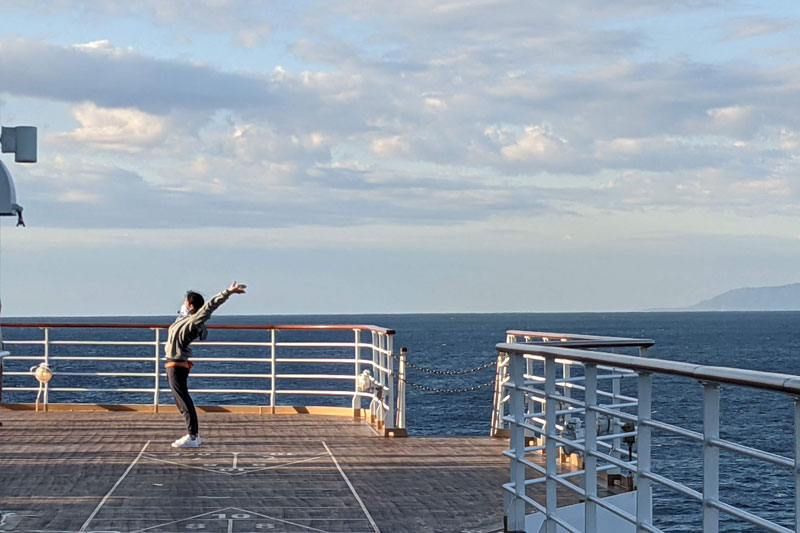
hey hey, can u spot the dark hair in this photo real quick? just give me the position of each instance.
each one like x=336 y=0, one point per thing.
x=195 y=299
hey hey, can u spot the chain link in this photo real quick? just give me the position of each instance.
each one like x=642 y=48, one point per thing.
x=448 y=391
x=451 y=372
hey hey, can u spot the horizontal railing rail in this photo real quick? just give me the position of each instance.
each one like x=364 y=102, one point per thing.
x=597 y=457
x=162 y=325
x=363 y=367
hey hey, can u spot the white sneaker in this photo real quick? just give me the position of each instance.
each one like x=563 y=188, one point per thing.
x=187 y=442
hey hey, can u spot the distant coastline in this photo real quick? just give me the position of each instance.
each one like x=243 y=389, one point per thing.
x=776 y=298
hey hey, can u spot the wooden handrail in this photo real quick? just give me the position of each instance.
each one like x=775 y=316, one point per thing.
x=376 y=329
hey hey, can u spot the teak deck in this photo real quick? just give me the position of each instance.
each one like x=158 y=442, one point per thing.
x=115 y=472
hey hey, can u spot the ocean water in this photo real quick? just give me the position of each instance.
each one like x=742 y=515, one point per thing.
x=767 y=341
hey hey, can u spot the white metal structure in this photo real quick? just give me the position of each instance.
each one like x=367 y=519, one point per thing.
x=20 y=140
x=568 y=382
x=370 y=348
x=599 y=455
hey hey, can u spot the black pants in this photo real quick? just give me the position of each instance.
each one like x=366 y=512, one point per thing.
x=177 y=376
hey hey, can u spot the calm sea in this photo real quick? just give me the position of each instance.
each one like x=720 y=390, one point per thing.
x=767 y=341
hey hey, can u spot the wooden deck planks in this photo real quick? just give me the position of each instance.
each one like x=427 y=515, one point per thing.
x=115 y=471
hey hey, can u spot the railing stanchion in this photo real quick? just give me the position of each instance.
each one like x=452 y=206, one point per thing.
x=401 y=389
x=644 y=496
x=156 y=371
x=589 y=460
x=616 y=426
x=500 y=377
x=710 y=457
x=272 y=372
x=565 y=389
x=46 y=362
x=551 y=451
x=796 y=463
x=391 y=416
x=357 y=356
x=377 y=345
x=514 y=504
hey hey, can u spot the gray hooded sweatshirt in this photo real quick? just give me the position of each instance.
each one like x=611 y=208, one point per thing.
x=187 y=328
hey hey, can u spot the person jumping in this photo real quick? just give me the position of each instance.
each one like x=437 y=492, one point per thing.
x=190 y=325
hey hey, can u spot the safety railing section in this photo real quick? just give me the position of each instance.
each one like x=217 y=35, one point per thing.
x=100 y=363
x=569 y=382
x=597 y=451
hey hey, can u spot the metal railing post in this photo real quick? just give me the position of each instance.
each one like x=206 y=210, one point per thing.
x=377 y=344
x=710 y=457
x=46 y=362
x=500 y=377
x=796 y=464
x=401 y=389
x=514 y=504
x=644 y=495
x=551 y=406
x=565 y=390
x=272 y=372
x=589 y=460
x=156 y=371
x=357 y=356
x=391 y=416
x=616 y=426
x=2 y=355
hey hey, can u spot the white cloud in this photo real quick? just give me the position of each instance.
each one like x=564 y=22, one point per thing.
x=79 y=197
x=395 y=146
x=740 y=28
x=789 y=140
x=536 y=143
x=435 y=103
x=103 y=46
x=124 y=129
x=728 y=114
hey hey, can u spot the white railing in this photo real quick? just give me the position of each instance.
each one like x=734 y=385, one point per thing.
x=568 y=382
x=598 y=454
x=268 y=359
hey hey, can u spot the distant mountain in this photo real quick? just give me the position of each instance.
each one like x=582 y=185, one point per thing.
x=783 y=298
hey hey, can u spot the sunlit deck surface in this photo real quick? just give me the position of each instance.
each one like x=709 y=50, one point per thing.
x=115 y=471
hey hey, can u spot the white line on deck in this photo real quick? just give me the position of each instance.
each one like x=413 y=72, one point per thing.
x=352 y=489
x=107 y=496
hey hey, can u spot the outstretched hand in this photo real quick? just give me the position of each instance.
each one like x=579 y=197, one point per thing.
x=235 y=288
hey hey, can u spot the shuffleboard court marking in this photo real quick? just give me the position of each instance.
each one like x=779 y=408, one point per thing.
x=352 y=489
x=235 y=514
x=110 y=492
x=13 y=518
x=225 y=470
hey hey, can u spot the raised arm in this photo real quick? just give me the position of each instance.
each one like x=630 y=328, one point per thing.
x=204 y=313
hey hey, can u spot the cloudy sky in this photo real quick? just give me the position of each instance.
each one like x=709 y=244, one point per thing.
x=375 y=156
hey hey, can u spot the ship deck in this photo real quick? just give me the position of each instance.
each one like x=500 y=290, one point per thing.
x=64 y=471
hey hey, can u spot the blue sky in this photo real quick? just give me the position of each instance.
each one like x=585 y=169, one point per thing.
x=376 y=157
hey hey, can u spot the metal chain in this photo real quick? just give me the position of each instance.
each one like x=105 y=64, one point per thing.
x=452 y=372
x=447 y=391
